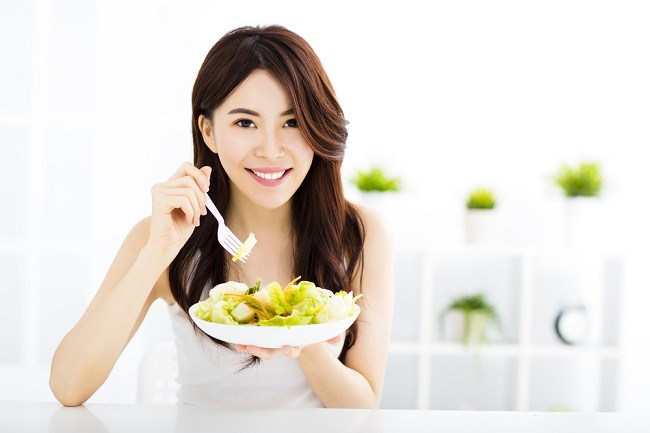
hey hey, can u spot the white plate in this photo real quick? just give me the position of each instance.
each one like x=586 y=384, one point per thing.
x=274 y=336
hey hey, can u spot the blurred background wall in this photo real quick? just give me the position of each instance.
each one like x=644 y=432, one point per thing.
x=95 y=109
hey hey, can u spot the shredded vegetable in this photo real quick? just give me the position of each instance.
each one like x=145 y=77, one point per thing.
x=298 y=303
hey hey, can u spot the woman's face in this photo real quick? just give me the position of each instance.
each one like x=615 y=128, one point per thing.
x=256 y=136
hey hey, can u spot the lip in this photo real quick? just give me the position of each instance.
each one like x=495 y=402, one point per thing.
x=269 y=182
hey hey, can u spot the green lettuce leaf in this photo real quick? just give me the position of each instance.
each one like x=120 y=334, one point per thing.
x=294 y=319
x=303 y=303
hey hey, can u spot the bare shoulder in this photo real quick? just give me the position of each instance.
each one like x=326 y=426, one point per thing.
x=377 y=275
x=379 y=233
x=376 y=282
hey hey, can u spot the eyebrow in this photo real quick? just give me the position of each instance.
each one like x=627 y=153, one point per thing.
x=255 y=113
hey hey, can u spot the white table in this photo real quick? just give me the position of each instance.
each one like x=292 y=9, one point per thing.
x=34 y=417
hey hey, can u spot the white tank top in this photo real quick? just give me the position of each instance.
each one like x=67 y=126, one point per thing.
x=209 y=374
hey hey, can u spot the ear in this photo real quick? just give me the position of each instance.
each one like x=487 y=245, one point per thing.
x=205 y=125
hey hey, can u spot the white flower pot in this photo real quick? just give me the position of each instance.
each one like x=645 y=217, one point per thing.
x=466 y=328
x=583 y=222
x=481 y=226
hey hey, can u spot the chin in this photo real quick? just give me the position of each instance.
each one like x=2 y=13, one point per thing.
x=271 y=204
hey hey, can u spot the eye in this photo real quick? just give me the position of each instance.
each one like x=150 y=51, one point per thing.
x=291 y=123
x=245 y=123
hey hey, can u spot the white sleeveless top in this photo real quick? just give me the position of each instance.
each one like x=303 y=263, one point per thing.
x=209 y=374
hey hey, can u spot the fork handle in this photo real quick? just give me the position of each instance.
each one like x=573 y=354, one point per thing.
x=210 y=205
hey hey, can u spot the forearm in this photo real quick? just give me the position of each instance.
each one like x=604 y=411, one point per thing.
x=87 y=354
x=335 y=384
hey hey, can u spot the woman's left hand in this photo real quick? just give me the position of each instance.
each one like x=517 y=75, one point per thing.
x=290 y=351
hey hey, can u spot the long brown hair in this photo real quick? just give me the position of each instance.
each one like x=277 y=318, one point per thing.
x=327 y=229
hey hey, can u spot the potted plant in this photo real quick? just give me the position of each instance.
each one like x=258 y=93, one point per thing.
x=480 y=216
x=376 y=180
x=581 y=185
x=377 y=189
x=583 y=180
x=470 y=318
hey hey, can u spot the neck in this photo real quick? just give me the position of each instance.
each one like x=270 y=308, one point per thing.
x=244 y=217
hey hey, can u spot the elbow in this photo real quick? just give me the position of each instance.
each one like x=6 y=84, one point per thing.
x=356 y=405
x=66 y=394
x=370 y=402
x=71 y=402
x=374 y=403
x=69 y=399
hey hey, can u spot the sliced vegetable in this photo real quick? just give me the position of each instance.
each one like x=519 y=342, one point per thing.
x=298 y=303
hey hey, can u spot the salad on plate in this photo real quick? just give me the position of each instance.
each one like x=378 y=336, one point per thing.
x=272 y=316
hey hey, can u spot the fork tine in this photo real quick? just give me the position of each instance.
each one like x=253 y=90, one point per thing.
x=228 y=248
x=245 y=256
x=230 y=235
x=230 y=244
x=235 y=242
x=232 y=241
x=228 y=240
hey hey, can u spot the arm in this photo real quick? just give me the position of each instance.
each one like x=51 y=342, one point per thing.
x=359 y=382
x=87 y=354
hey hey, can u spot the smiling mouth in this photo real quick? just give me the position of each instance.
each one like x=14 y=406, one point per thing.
x=269 y=176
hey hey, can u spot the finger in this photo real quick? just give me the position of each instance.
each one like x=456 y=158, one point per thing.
x=207 y=171
x=190 y=194
x=188 y=169
x=189 y=182
x=161 y=191
x=170 y=203
x=335 y=340
x=291 y=351
x=166 y=201
x=255 y=351
x=264 y=353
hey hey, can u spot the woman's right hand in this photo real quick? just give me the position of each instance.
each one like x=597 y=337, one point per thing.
x=177 y=206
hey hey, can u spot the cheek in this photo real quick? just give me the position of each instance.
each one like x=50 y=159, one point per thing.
x=231 y=150
x=304 y=153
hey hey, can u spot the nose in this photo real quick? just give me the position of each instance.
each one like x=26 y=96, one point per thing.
x=270 y=147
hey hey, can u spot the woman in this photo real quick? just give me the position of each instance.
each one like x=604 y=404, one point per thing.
x=269 y=138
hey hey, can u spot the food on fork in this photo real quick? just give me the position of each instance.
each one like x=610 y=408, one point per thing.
x=245 y=249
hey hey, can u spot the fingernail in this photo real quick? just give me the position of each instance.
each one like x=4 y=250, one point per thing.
x=206 y=187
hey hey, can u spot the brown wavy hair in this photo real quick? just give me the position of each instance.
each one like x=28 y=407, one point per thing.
x=327 y=230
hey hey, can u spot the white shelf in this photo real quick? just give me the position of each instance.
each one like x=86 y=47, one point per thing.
x=512 y=350
x=575 y=352
x=532 y=370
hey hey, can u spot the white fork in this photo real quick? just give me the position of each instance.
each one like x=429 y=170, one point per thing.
x=226 y=237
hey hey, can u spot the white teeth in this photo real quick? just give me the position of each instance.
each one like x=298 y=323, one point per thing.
x=269 y=176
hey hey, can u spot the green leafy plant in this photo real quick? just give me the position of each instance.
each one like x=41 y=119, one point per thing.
x=375 y=179
x=477 y=313
x=481 y=198
x=583 y=180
